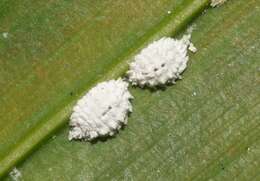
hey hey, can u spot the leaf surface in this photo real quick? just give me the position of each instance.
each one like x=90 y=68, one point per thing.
x=204 y=127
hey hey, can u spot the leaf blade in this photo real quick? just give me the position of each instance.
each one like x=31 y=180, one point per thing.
x=176 y=134
x=43 y=124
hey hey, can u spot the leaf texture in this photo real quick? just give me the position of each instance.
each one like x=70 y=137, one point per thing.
x=206 y=127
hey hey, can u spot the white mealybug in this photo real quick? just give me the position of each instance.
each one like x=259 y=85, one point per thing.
x=102 y=111
x=160 y=62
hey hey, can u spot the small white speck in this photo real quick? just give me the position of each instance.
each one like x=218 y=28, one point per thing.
x=192 y=48
x=194 y=93
x=5 y=34
x=231 y=64
x=169 y=12
x=215 y=3
x=15 y=174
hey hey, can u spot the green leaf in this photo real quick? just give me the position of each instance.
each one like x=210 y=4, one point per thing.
x=204 y=127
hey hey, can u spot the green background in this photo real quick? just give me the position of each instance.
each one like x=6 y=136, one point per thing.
x=204 y=127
